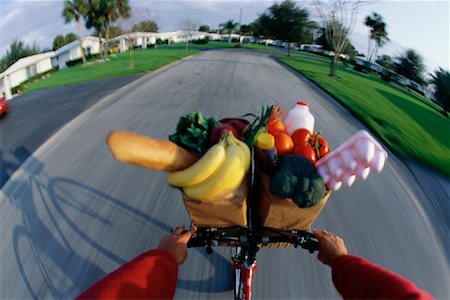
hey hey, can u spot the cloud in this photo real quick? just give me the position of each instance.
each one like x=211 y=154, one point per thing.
x=8 y=20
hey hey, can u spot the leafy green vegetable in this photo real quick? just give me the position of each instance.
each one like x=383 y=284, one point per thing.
x=297 y=178
x=192 y=132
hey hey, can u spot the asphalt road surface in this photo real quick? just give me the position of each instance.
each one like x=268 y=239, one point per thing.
x=36 y=116
x=71 y=213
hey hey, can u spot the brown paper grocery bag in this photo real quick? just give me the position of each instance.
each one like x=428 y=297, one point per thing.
x=283 y=213
x=226 y=211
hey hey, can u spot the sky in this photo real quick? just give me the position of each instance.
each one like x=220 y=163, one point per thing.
x=420 y=25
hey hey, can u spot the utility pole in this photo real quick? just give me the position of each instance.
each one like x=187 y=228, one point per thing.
x=240 y=22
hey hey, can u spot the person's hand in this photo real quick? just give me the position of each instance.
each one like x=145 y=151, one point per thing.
x=330 y=246
x=176 y=242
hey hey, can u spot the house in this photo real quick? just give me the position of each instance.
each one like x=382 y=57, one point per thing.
x=24 y=69
x=148 y=39
x=138 y=39
x=72 y=51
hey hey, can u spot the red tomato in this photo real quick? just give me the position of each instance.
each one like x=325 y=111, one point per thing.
x=283 y=143
x=324 y=148
x=275 y=126
x=301 y=137
x=305 y=151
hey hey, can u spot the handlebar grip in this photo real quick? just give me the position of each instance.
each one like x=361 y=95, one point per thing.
x=312 y=243
x=314 y=246
x=196 y=242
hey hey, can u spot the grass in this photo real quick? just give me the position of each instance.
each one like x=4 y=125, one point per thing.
x=409 y=124
x=118 y=65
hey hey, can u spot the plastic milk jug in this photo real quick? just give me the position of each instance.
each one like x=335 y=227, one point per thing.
x=299 y=117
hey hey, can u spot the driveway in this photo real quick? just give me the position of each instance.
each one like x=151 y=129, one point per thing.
x=72 y=214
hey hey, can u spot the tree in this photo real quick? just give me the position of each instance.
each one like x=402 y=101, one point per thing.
x=145 y=26
x=338 y=18
x=377 y=33
x=70 y=37
x=74 y=10
x=58 y=42
x=385 y=61
x=204 y=28
x=137 y=13
x=287 y=22
x=410 y=65
x=249 y=29
x=17 y=50
x=113 y=10
x=115 y=31
x=188 y=26
x=229 y=26
x=441 y=81
x=322 y=40
x=96 y=18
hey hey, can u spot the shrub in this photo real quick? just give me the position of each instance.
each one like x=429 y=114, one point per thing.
x=201 y=41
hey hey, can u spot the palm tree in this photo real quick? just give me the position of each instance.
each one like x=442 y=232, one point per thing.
x=377 y=33
x=441 y=81
x=115 y=9
x=74 y=10
x=229 y=26
x=95 y=18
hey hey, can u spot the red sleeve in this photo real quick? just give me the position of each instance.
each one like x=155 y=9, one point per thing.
x=152 y=275
x=355 y=277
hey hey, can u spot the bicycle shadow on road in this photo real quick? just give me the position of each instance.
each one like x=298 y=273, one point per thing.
x=56 y=252
x=8 y=164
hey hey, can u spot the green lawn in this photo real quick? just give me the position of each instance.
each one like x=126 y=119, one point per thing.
x=118 y=65
x=409 y=124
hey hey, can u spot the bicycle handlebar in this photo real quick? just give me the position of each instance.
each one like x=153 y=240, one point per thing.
x=245 y=237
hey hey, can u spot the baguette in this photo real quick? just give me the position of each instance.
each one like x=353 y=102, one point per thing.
x=143 y=151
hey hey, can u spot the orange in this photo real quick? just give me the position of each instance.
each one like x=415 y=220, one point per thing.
x=283 y=143
x=275 y=126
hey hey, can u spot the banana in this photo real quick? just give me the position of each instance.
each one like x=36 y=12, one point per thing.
x=246 y=151
x=209 y=164
x=227 y=179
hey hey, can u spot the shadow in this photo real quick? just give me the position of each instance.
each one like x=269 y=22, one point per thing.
x=221 y=281
x=216 y=283
x=47 y=255
x=40 y=241
x=10 y=161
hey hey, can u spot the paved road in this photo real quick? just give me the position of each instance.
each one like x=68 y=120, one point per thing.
x=72 y=214
x=34 y=117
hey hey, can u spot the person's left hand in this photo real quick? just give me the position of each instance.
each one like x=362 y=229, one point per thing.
x=176 y=243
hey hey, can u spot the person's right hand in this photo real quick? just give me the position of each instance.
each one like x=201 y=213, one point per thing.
x=176 y=242
x=330 y=246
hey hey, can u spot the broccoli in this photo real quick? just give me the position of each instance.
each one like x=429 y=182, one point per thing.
x=297 y=178
x=283 y=183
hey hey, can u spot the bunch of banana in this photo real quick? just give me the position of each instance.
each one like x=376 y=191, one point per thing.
x=220 y=170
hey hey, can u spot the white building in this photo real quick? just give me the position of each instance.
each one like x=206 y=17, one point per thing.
x=72 y=51
x=146 y=39
x=24 y=69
